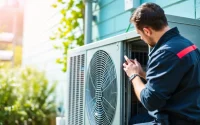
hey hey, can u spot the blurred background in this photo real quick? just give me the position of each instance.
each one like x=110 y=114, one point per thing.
x=35 y=36
x=27 y=96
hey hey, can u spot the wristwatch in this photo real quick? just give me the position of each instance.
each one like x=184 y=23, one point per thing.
x=132 y=77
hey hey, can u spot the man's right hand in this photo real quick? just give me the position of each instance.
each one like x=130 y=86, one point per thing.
x=142 y=73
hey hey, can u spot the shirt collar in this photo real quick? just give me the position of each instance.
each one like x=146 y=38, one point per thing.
x=167 y=36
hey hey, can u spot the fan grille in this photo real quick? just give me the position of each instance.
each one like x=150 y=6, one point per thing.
x=101 y=89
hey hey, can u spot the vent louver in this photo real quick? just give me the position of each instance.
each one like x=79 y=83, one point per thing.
x=101 y=89
x=76 y=90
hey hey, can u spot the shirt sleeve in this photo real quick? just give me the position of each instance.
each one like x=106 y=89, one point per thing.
x=163 y=76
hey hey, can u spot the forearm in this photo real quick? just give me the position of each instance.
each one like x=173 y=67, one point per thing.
x=138 y=86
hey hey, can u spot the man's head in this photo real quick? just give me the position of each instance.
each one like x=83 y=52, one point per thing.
x=150 y=22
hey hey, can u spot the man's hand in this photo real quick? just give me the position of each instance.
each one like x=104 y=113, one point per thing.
x=133 y=67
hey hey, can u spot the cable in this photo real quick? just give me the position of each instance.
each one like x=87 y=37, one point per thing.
x=128 y=27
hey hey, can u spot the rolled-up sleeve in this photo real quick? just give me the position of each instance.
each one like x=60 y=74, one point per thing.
x=163 y=76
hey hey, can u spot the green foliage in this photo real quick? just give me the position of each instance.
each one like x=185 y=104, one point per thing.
x=26 y=97
x=72 y=13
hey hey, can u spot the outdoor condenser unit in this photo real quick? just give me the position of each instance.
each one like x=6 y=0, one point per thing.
x=98 y=92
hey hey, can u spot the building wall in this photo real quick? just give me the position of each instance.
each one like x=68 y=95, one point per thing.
x=112 y=19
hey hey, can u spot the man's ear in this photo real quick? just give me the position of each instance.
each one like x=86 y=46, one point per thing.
x=147 y=31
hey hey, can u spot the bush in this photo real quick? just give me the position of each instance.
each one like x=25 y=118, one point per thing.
x=26 y=97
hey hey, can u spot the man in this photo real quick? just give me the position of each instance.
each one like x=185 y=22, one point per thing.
x=172 y=92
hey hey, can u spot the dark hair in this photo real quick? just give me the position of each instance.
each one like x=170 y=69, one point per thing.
x=149 y=14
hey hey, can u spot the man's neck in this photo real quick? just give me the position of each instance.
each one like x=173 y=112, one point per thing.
x=159 y=34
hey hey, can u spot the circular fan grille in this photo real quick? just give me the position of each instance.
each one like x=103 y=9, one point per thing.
x=101 y=89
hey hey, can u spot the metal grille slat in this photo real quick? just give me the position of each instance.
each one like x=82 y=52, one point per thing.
x=76 y=90
x=82 y=88
x=70 y=90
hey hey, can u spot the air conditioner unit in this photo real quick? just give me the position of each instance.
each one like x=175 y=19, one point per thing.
x=98 y=92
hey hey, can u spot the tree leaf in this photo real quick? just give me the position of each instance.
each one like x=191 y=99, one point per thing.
x=63 y=12
x=54 y=5
x=60 y=1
